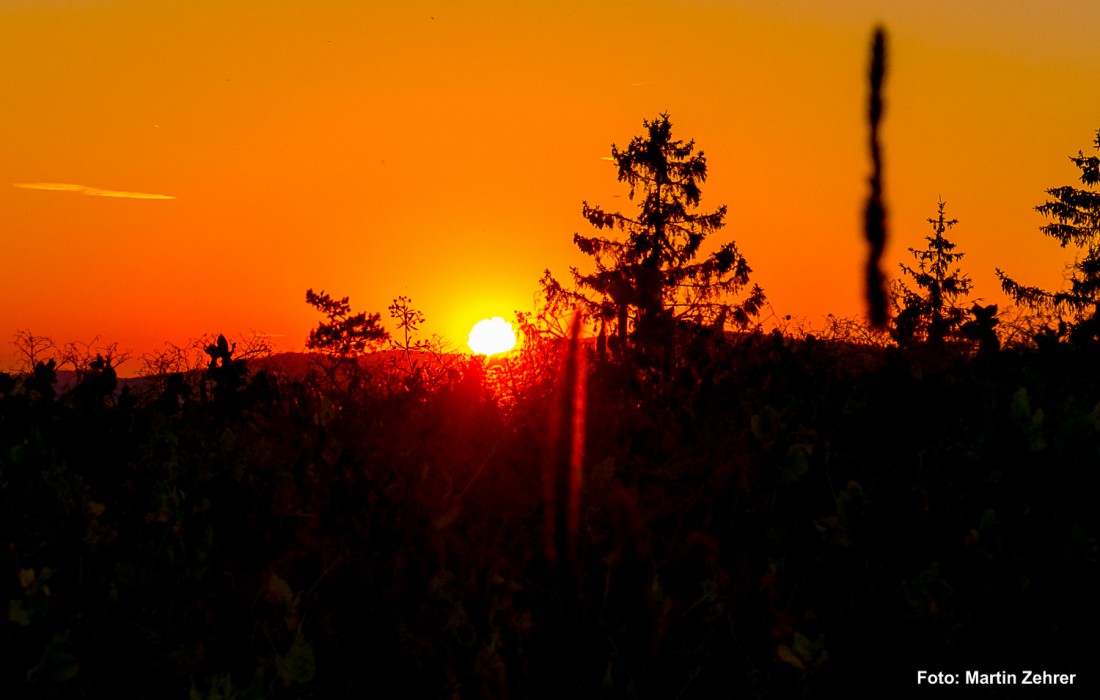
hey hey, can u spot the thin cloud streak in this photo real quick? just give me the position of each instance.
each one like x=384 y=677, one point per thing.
x=90 y=191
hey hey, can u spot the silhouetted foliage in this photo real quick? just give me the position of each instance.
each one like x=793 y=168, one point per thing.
x=41 y=381
x=344 y=334
x=422 y=363
x=875 y=212
x=224 y=373
x=752 y=536
x=981 y=328
x=649 y=284
x=1076 y=221
x=82 y=356
x=342 y=341
x=171 y=359
x=931 y=313
x=185 y=365
x=408 y=321
x=96 y=383
x=32 y=349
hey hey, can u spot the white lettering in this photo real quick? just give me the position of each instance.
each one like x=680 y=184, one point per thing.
x=998 y=678
x=936 y=678
x=1047 y=678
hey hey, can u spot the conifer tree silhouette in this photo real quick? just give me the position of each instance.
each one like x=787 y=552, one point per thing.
x=931 y=312
x=1075 y=214
x=646 y=286
x=343 y=339
x=344 y=334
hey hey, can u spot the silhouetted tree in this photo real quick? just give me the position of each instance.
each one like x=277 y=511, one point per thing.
x=342 y=339
x=344 y=334
x=931 y=312
x=646 y=283
x=1076 y=220
x=32 y=349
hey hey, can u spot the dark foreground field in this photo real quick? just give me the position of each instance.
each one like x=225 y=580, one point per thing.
x=771 y=518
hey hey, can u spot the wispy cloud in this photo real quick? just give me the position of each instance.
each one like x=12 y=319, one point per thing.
x=84 y=189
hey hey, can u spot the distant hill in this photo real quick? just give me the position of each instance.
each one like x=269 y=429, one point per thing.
x=297 y=365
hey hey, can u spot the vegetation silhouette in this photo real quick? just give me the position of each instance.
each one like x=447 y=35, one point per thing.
x=32 y=349
x=648 y=289
x=408 y=322
x=344 y=334
x=931 y=313
x=874 y=216
x=1076 y=220
x=424 y=362
x=343 y=339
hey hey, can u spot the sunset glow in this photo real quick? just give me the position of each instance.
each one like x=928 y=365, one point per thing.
x=179 y=169
x=492 y=336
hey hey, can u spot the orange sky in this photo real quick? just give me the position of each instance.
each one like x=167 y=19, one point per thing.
x=441 y=150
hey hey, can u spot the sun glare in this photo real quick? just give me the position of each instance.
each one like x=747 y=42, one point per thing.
x=491 y=336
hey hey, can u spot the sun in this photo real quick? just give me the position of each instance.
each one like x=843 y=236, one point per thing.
x=491 y=336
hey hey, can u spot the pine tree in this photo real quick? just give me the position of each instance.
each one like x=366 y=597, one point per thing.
x=931 y=313
x=650 y=284
x=342 y=340
x=344 y=334
x=1075 y=215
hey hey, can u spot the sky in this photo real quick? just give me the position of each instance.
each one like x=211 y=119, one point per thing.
x=171 y=169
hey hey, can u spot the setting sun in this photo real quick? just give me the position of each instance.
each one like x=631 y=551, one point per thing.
x=491 y=336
